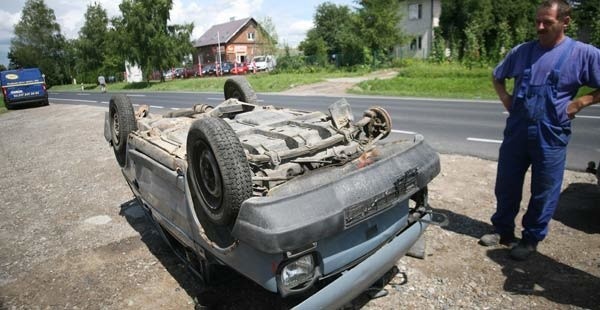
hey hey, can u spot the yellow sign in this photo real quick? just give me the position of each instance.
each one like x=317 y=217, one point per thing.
x=11 y=76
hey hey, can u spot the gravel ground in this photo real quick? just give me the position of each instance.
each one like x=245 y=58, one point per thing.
x=72 y=237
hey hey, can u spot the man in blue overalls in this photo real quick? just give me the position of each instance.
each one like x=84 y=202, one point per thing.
x=548 y=73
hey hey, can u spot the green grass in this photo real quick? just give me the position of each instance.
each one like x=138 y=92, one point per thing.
x=421 y=79
x=260 y=82
x=415 y=79
x=2 y=106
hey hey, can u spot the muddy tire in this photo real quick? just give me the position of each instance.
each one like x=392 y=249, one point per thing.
x=122 y=122
x=238 y=87
x=218 y=173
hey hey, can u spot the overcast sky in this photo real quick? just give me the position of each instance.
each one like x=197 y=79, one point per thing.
x=291 y=18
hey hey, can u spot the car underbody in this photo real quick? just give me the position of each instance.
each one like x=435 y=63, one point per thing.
x=291 y=199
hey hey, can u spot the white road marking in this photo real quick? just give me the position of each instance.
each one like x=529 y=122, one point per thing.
x=576 y=116
x=484 y=140
x=136 y=95
x=176 y=109
x=404 y=132
x=104 y=102
x=586 y=116
x=157 y=107
x=222 y=99
x=83 y=94
x=74 y=100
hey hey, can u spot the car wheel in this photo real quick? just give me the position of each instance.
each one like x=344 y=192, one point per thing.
x=237 y=87
x=218 y=173
x=122 y=122
x=8 y=106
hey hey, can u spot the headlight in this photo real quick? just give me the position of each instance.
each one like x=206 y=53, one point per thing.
x=298 y=272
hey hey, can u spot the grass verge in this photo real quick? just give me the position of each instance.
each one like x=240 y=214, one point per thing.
x=2 y=106
x=262 y=82
x=415 y=79
x=422 y=79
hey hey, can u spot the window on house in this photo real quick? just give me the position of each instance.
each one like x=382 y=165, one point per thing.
x=415 y=11
x=420 y=42
x=250 y=36
x=413 y=44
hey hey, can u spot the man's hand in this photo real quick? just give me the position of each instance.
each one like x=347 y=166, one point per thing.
x=586 y=100
x=503 y=95
x=573 y=108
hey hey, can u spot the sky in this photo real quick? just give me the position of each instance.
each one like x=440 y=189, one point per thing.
x=292 y=19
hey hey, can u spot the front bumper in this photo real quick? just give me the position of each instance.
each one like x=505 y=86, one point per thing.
x=327 y=203
x=356 y=280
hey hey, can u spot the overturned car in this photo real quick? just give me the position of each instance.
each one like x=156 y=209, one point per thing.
x=296 y=201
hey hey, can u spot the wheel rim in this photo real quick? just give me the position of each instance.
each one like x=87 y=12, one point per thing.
x=208 y=177
x=116 y=128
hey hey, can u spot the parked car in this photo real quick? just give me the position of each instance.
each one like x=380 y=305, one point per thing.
x=169 y=75
x=23 y=86
x=226 y=67
x=179 y=73
x=239 y=68
x=208 y=69
x=263 y=63
x=299 y=202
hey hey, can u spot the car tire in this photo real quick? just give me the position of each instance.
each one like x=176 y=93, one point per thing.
x=237 y=87
x=219 y=175
x=8 y=106
x=122 y=122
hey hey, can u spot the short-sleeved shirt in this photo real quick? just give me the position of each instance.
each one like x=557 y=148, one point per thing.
x=101 y=80
x=581 y=67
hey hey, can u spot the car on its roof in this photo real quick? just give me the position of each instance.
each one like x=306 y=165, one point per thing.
x=304 y=203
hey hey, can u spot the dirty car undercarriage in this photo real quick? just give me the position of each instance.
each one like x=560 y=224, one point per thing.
x=317 y=195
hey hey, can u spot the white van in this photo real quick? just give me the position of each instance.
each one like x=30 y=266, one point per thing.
x=263 y=63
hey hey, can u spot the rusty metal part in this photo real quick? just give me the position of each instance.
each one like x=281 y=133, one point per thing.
x=142 y=111
x=380 y=122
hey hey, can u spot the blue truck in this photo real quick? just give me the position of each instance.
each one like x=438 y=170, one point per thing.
x=23 y=86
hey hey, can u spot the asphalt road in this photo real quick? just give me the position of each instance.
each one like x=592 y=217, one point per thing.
x=463 y=127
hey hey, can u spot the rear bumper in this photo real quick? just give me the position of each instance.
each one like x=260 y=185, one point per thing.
x=315 y=207
x=356 y=280
x=27 y=100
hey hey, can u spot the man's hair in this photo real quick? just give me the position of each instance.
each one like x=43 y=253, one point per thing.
x=562 y=7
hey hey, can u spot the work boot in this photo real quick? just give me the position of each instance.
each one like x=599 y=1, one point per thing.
x=523 y=250
x=495 y=239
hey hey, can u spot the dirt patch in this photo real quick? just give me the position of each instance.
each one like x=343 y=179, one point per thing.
x=72 y=237
x=338 y=86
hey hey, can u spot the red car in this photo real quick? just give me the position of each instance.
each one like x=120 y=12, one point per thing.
x=239 y=68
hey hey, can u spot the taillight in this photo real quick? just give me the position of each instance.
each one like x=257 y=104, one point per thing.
x=44 y=86
x=4 y=91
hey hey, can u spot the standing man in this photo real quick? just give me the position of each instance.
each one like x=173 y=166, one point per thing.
x=102 y=83
x=548 y=73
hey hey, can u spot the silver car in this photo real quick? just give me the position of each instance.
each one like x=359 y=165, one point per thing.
x=299 y=202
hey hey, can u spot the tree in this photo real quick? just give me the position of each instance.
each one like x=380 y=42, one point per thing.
x=92 y=43
x=39 y=43
x=146 y=39
x=586 y=13
x=315 y=48
x=3 y=67
x=378 y=21
x=268 y=37
x=335 y=35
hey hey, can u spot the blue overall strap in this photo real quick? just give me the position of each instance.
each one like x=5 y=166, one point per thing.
x=527 y=72
x=556 y=72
